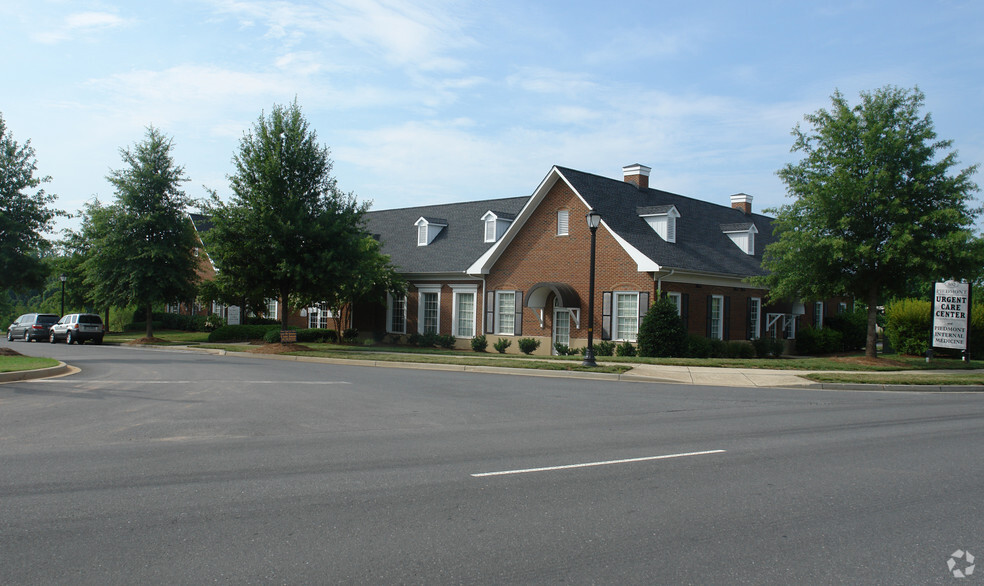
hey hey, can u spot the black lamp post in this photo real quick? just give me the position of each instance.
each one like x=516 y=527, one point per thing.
x=594 y=219
x=63 y=278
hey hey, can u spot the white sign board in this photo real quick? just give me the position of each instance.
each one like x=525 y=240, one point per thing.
x=233 y=319
x=951 y=315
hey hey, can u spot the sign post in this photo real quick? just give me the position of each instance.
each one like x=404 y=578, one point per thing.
x=951 y=316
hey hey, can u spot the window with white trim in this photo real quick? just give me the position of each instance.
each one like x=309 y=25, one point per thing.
x=505 y=312
x=716 y=317
x=396 y=313
x=626 y=318
x=490 y=229
x=271 y=309
x=562 y=221
x=841 y=307
x=818 y=314
x=318 y=316
x=754 y=316
x=463 y=308
x=790 y=330
x=429 y=309
x=422 y=235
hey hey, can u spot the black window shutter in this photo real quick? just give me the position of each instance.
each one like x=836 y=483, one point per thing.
x=643 y=306
x=519 y=314
x=710 y=299
x=726 y=319
x=685 y=311
x=490 y=312
x=748 y=318
x=606 y=315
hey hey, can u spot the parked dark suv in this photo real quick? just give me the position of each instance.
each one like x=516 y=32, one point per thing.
x=77 y=327
x=31 y=326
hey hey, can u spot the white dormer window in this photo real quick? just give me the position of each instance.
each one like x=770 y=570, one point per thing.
x=662 y=219
x=428 y=229
x=743 y=235
x=496 y=224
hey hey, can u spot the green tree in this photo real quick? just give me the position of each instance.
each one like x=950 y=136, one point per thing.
x=875 y=205
x=288 y=232
x=24 y=214
x=662 y=332
x=369 y=277
x=142 y=245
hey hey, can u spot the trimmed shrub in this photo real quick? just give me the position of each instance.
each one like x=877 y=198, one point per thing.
x=502 y=344
x=853 y=328
x=767 y=347
x=565 y=350
x=446 y=341
x=698 y=346
x=909 y=323
x=625 y=349
x=242 y=333
x=317 y=335
x=528 y=345
x=479 y=343
x=662 y=332
x=350 y=334
x=604 y=348
x=811 y=341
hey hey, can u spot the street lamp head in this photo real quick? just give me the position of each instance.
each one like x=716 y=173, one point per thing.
x=594 y=219
x=62 y=278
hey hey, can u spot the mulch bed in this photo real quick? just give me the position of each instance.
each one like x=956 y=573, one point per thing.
x=9 y=352
x=144 y=341
x=866 y=361
x=278 y=348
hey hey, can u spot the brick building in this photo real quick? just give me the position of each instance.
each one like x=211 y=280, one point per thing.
x=518 y=267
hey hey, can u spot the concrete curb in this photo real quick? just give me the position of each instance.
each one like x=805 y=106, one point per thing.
x=22 y=375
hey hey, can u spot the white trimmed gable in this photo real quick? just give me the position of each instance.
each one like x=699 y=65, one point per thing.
x=662 y=219
x=428 y=229
x=743 y=235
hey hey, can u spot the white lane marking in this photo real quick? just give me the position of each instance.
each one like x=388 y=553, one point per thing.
x=590 y=464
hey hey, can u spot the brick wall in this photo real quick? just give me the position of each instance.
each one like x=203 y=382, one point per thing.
x=537 y=254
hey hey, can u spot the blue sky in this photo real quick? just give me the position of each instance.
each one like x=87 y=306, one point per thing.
x=437 y=101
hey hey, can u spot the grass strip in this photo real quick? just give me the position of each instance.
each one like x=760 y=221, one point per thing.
x=899 y=379
x=17 y=363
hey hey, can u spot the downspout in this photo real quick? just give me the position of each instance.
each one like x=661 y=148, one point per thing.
x=659 y=282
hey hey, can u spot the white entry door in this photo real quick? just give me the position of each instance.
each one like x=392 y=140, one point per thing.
x=561 y=328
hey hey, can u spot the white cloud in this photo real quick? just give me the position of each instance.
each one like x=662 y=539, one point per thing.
x=416 y=35
x=80 y=23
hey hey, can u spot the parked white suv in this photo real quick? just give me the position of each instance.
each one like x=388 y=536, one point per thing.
x=77 y=327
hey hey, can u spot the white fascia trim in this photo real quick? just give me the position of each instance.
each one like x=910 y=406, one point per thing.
x=485 y=262
x=700 y=278
x=644 y=264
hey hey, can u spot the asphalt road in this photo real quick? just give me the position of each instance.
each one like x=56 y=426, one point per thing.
x=182 y=468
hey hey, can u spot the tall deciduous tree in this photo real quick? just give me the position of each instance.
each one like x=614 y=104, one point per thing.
x=143 y=243
x=288 y=231
x=876 y=205
x=25 y=214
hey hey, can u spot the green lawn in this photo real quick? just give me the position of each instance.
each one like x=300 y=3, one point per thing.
x=913 y=378
x=16 y=363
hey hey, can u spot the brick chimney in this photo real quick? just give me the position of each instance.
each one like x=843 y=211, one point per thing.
x=742 y=202
x=637 y=175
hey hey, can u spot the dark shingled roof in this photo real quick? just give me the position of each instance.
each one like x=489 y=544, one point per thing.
x=454 y=249
x=700 y=243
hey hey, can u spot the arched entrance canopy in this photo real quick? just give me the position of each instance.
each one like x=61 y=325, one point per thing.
x=566 y=295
